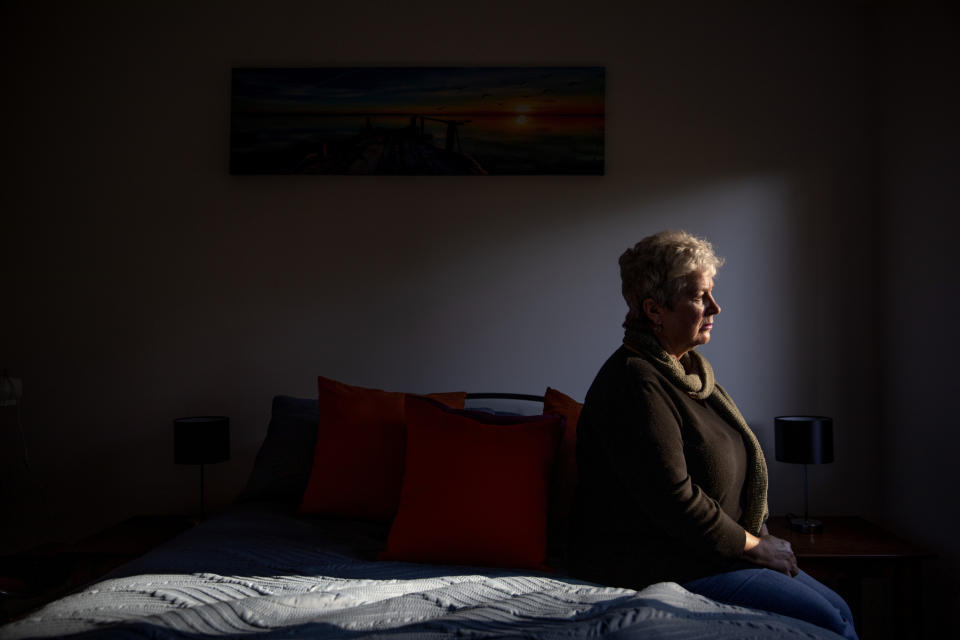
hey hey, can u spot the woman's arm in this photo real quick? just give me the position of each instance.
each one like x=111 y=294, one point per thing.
x=771 y=552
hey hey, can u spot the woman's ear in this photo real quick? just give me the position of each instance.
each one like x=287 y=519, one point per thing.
x=652 y=310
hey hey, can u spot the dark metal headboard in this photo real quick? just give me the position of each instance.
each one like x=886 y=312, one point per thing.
x=504 y=396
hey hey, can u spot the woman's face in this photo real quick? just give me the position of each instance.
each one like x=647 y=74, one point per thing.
x=688 y=323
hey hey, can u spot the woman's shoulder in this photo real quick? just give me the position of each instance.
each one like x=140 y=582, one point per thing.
x=625 y=384
x=626 y=366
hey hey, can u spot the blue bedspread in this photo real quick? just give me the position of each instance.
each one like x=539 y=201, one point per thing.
x=261 y=572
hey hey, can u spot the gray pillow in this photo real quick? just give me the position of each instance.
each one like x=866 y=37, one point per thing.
x=283 y=463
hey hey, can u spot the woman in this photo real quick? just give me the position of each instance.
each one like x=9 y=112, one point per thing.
x=672 y=481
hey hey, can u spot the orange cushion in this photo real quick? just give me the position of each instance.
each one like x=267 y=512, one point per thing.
x=565 y=471
x=475 y=488
x=358 y=458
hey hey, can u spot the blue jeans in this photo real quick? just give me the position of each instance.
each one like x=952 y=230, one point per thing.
x=801 y=597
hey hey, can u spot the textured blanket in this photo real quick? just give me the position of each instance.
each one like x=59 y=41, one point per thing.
x=258 y=572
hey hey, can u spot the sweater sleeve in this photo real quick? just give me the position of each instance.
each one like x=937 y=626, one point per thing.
x=644 y=445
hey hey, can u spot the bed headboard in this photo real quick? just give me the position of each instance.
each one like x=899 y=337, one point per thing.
x=523 y=404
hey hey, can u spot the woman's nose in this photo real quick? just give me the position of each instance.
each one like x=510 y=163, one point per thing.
x=714 y=307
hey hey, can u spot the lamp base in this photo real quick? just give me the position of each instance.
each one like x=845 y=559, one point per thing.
x=806 y=525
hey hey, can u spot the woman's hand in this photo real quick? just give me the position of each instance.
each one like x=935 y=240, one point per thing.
x=771 y=552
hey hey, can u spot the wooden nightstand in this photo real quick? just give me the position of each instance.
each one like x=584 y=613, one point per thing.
x=851 y=550
x=32 y=578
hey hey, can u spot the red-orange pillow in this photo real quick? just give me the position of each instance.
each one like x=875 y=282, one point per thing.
x=475 y=488
x=565 y=471
x=358 y=459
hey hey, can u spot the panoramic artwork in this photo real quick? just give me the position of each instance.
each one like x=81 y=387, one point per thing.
x=418 y=121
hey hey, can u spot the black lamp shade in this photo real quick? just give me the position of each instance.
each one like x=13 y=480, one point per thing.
x=804 y=439
x=201 y=440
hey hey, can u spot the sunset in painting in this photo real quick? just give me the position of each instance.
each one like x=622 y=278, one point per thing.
x=432 y=121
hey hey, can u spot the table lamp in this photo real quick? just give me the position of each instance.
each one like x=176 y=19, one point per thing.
x=201 y=440
x=804 y=440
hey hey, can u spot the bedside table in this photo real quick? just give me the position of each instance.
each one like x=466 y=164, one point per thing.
x=32 y=578
x=850 y=550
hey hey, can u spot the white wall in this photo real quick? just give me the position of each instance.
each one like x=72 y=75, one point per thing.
x=147 y=283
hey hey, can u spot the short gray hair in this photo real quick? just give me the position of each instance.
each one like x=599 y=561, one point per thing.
x=659 y=266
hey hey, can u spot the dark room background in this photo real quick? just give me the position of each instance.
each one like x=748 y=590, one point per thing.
x=815 y=144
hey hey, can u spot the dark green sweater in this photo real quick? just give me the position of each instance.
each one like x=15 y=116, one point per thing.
x=661 y=479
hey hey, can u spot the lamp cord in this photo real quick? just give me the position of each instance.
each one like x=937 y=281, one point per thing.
x=203 y=511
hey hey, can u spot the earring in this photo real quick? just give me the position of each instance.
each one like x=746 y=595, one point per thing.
x=658 y=328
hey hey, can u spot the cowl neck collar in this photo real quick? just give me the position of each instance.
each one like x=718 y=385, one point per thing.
x=692 y=372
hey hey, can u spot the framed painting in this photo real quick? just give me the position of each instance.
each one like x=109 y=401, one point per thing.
x=418 y=121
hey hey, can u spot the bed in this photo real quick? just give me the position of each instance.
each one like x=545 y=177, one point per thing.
x=268 y=567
